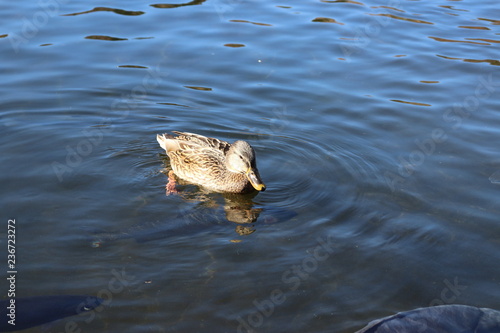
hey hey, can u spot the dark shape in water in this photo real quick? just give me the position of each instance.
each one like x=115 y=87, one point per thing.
x=38 y=310
x=439 y=319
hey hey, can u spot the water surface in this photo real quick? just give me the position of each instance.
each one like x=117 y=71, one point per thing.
x=376 y=131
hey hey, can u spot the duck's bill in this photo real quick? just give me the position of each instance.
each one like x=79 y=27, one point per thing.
x=254 y=178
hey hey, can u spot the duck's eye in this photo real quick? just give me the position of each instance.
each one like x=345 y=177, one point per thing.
x=241 y=157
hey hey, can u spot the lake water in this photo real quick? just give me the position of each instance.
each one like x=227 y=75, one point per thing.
x=376 y=127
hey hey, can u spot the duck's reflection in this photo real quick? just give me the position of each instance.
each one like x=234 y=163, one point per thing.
x=205 y=212
x=223 y=208
x=241 y=210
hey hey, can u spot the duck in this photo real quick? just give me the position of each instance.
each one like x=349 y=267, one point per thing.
x=212 y=163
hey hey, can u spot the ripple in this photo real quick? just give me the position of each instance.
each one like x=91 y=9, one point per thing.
x=493 y=62
x=175 y=104
x=198 y=88
x=484 y=40
x=137 y=155
x=408 y=102
x=106 y=9
x=494 y=22
x=474 y=27
x=234 y=45
x=445 y=40
x=102 y=37
x=133 y=66
x=326 y=20
x=453 y=8
x=391 y=8
x=170 y=5
x=294 y=170
x=307 y=172
x=256 y=23
x=344 y=1
x=402 y=18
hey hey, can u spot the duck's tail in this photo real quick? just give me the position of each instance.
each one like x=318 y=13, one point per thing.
x=167 y=142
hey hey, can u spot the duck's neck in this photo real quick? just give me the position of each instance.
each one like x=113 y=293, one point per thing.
x=239 y=182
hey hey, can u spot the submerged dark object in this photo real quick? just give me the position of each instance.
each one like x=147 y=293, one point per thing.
x=38 y=310
x=438 y=319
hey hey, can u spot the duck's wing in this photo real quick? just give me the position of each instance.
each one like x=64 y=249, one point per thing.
x=198 y=163
x=202 y=141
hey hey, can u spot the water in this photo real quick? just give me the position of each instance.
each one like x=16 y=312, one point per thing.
x=376 y=131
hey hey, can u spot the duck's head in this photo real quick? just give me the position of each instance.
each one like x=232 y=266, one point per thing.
x=241 y=159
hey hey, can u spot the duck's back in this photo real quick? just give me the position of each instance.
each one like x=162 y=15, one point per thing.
x=192 y=140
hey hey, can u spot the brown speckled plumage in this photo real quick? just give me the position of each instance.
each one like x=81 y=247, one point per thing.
x=212 y=163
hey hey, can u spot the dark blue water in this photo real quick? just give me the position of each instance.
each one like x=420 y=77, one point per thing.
x=376 y=129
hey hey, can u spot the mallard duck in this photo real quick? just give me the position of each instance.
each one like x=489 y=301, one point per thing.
x=212 y=163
